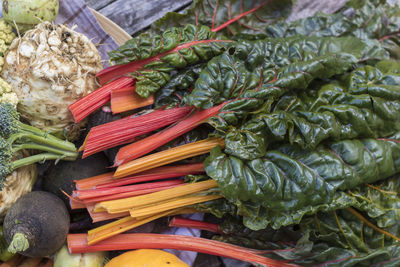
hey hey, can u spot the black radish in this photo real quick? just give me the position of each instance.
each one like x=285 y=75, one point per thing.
x=36 y=225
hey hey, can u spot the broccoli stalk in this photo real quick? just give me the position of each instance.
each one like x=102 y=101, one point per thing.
x=15 y=135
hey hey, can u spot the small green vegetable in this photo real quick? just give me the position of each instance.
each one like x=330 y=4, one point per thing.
x=27 y=13
x=64 y=259
x=15 y=136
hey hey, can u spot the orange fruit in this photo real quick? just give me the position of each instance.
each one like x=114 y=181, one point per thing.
x=146 y=258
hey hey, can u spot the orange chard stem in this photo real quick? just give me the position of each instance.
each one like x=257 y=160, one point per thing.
x=168 y=156
x=96 y=99
x=77 y=243
x=75 y=205
x=125 y=99
x=91 y=182
x=125 y=130
x=148 y=144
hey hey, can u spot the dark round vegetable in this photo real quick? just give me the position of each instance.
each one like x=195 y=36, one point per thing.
x=36 y=225
x=60 y=176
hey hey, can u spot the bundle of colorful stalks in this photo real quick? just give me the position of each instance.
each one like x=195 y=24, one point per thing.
x=143 y=192
x=146 y=186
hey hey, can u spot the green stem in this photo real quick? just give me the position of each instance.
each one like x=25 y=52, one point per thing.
x=19 y=243
x=36 y=131
x=44 y=140
x=37 y=158
x=44 y=148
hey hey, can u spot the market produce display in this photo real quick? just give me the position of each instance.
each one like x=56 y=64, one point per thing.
x=287 y=132
x=303 y=116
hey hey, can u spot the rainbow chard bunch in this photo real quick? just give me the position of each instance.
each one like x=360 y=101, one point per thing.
x=303 y=146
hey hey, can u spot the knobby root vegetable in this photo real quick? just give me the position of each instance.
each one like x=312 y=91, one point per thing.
x=50 y=67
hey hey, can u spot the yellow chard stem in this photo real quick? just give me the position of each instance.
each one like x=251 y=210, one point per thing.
x=171 y=204
x=126 y=204
x=127 y=223
x=167 y=156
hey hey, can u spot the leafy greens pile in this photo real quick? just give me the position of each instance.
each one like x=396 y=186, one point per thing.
x=311 y=122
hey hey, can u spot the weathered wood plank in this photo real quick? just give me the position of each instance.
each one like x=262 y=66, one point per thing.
x=134 y=15
x=306 y=8
x=98 y=4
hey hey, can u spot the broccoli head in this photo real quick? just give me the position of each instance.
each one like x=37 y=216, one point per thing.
x=16 y=136
x=9 y=120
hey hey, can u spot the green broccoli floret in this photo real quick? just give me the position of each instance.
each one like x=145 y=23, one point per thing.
x=15 y=135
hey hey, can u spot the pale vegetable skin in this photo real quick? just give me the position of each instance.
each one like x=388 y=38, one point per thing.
x=7 y=95
x=27 y=13
x=36 y=225
x=64 y=259
x=49 y=68
x=17 y=184
x=146 y=257
x=6 y=37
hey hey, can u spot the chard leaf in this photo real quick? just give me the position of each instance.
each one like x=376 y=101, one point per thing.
x=292 y=182
x=371 y=19
x=151 y=59
x=367 y=105
x=171 y=94
x=228 y=17
x=332 y=238
x=251 y=72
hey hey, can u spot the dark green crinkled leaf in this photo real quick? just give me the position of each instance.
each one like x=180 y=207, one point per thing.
x=254 y=71
x=179 y=86
x=333 y=238
x=389 y=66
x=254 y=15
x=292 y=182
x=157 y=56
x=367 y=105
x=370 y=20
